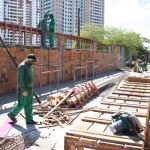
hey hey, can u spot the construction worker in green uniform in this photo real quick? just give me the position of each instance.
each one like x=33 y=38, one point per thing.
x=43 y=26
x=51 y=30
x=25 y=90
x=143 y=63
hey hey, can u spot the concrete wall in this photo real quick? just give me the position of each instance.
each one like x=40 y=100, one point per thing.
x=49 y=61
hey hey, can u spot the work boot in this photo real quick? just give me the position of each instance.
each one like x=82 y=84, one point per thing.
x=31 y=122
x=12 y=118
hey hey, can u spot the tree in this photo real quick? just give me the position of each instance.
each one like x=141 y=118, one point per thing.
x=93 y=32
x=116 y=36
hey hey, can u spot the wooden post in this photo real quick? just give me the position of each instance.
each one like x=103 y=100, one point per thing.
x=130 y=58
x=24 y=38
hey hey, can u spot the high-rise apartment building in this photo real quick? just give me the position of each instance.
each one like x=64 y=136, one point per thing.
x=13 y=13
x=92 y=11
x=1 y=10
x=56 y=8
x=29 y=12
x=66 y=13
x=32 y=18
x=1 y=15
x=22 y=12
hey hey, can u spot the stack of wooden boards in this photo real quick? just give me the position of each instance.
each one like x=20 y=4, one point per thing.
x=94 y=132
x=79 y=95
x=138 y=77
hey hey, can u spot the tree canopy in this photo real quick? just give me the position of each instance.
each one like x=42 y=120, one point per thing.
x=116 y=36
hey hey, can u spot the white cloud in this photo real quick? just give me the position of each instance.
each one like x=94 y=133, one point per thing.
x=129 y=14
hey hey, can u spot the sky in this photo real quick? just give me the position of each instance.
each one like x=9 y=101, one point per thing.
x=129 y=14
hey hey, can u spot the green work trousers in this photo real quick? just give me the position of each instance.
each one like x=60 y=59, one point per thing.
x=51 y=39
x=26 y=103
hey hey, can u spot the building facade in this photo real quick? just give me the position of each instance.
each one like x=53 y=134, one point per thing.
x=32 y=18
x=2 y=10
x=1 y=16
x=92 y=12
x=66 y=13
x=22 y=12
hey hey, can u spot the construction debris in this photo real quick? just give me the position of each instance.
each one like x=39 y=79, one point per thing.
x=54 y=117
x=73 y=98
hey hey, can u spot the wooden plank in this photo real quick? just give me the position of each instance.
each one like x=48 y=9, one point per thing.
x=96 y=120
x=127 y=98
x=79 y=147
x=105 y=137
x=146 y=131
x=131 y=94
x=139 y=85
x=69 y=142
x=97 y=127
x=132 y=90
x=107 y=121
x=122 y=101
x=99 y=144
x=114 y=107
x=83 y=125
x=129 y=87
x=91 y=133
x=125 y=104
x=110 y=111
x=99 y=118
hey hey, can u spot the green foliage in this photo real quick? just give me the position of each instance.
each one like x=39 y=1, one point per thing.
x=116 y=36
x=93 y=32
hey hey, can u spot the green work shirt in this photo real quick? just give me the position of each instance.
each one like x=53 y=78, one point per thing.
x=25 y=76
x=52 y=25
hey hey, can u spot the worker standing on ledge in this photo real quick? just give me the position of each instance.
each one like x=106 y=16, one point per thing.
x=25 y=90
x=43 y=26
x=51 y=30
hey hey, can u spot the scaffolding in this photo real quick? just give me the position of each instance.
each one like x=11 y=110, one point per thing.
x=90 y=60
x=50 y=70
x=80 y=67
x=97 y=65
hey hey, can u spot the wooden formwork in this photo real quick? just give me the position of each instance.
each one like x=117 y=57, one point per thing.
x=93 y=132
x=79 y=95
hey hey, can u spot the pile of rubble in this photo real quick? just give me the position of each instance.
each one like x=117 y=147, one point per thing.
x=54 y=115
x=57 y=117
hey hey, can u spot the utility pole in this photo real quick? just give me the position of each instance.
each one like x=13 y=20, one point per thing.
x=78 y=44
x=130 y=58
x=78 y=21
